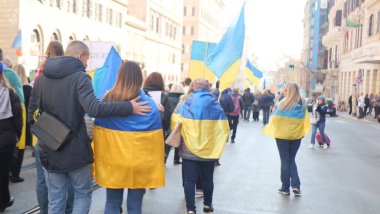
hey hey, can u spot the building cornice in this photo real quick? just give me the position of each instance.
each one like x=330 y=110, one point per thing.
x=122 y=2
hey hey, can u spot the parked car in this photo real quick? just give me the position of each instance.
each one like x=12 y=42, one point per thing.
x=331 y=108
x=309 y=104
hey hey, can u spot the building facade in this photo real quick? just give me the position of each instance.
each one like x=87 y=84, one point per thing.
x=353 y=42
x=200 y=22
x=163 y=37
x=41 y=21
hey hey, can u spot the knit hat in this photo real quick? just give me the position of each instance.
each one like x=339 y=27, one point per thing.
x=200 y=84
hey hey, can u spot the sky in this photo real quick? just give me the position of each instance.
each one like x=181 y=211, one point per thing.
x=274 y=29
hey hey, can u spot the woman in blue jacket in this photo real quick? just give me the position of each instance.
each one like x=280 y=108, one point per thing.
x=319 y=109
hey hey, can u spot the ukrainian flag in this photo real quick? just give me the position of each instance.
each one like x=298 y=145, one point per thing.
x=293 y=124
x=252 y=75
x=15 y=83
x=225 y=59
x=200 y=51
x=205 y=128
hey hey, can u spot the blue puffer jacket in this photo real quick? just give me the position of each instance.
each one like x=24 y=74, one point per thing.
x=266 y=101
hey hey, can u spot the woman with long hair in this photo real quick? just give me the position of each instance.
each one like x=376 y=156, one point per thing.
x=129 y=152
x=289 y=124
x=319 y=112
x=16 y=161
x=154 y=86
x=10 y=132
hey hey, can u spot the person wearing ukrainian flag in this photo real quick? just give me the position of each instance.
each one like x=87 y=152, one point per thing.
x=129 y=152
x=289 y=124
x=204 y=132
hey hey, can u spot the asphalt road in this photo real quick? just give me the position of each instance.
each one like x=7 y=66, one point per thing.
x=343 y=179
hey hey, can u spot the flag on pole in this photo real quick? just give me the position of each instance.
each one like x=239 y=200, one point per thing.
x=252 y=74
x=225 y=59
x=200 y=51
x=17 y=44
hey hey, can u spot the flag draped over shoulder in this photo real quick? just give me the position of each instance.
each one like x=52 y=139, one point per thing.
x=225 y=59
x=129 y=152
x=205 y=128
x=199 y=53
x=293 y=124
x=15 y=83
x=252 y=75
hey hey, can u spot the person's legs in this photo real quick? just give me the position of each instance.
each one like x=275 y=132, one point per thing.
x=350 y=112
x=41 y=188
x=16 y=163
x=176 y=155
x=57 y=184
x=284 y=150
x=321 y=127
x=313 y=133
x=294 y=146
x=5 y=159
x=235 y=121
x=134 y=201
x=207 y=176
x=249 y=109
x=245 y=113
x=81 y=181
x=167 y=151
x=191 y=169
x=114 y=199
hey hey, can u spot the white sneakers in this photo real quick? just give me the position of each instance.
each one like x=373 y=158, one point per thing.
x=325 y=146
x=311 y=146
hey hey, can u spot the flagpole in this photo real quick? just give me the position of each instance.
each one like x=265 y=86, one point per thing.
x=204 y=60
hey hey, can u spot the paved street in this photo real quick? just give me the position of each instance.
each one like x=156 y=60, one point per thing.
x=343 y=179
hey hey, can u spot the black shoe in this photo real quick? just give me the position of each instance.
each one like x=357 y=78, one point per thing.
x=217 y=163
x=10 y=203
x=208 y=209
x=177 y=162
x=297 y=191
x=16 y=179
x=232 y=141
x=284 y=191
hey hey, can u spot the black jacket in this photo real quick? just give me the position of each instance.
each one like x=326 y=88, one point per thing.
x=266 y=101
x=10 y=128
x=165 y=103
x=67 y=93
x=248 y=99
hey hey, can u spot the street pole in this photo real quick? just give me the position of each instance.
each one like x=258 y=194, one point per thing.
x=354 y=100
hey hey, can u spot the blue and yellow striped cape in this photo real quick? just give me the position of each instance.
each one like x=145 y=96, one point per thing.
x=205 y=128
x=129 y=152
x=293 y=124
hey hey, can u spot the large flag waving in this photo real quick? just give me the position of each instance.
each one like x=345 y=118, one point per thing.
x=252 y=74
x=200 y=51
x=225 y=60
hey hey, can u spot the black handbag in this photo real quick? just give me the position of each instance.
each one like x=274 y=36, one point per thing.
x=50 y=131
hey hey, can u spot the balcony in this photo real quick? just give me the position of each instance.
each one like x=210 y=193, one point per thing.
x=366 y=55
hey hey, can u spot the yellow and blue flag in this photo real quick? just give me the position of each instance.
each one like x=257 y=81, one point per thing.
x=225 y=60
x=293 y=124
x=200 y=51
x=252 y=75
x=205 y=128
x=15 y=83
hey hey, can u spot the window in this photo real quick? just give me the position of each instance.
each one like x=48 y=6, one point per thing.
x=192 y=30
x=183 y=49
x=378 y=21
x=193 y=11
x=119 y=20
x=157 y=24
x=99 y=12
x=370 y=27
x=58 y=4
x=338 y=18
x=167 y=29
x=36 y=42
x=184 y=11
x=184 y=30
x=75 y=6
x=151 y=21
x=345 y=10
x=68 y=6
x=175 y=33
x=109 y=16
x=54 y=37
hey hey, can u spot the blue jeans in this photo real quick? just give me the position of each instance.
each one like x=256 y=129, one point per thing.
x=288 y=151
x=115 y=199
x=266 y=112
x=247 y=112
x=321 y=127
x=41 y=188
x=59 y=182
x=191 y=172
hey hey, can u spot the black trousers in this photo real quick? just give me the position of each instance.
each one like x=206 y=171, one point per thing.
x=167 y=151
x=234 y=124
x=16 y=162
x=350 y=110
x=5 y=159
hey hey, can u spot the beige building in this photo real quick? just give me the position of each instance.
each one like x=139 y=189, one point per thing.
x=163 y=38
x=42 y=21
x=360 y=48
x=200 y=22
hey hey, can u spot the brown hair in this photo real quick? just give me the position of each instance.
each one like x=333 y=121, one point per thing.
x=54 y=49
x=128 y=83
x=20 y=70
x=155 y=80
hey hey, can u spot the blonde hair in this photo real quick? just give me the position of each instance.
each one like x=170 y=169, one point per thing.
x=20 y=70
x=177 y=88
x=292 y=98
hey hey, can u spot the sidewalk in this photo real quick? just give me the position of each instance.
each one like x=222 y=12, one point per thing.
x=368 y=119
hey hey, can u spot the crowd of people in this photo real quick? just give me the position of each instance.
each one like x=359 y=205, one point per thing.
x=367 y=105
x=138 y=112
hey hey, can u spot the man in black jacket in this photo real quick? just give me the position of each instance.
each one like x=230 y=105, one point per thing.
x=66 y=92
x=248 y=100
